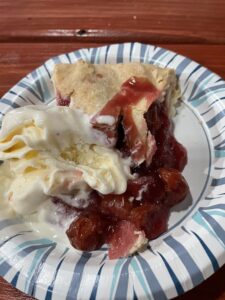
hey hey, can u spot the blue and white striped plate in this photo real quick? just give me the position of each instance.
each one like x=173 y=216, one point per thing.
x=193 y=247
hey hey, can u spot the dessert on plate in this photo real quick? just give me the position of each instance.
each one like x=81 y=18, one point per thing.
x=102 y=166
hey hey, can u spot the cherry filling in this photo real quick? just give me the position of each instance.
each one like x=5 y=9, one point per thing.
x=134 y=98
x=62 y=101
x=158 y=183
x=146 y=203
x=169 y=153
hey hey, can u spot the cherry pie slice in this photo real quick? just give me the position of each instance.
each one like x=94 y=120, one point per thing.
x=132 y=104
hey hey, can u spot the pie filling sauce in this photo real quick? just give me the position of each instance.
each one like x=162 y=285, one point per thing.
x=149 y=196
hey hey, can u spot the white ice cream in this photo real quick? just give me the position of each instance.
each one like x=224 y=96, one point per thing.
x=48 y=151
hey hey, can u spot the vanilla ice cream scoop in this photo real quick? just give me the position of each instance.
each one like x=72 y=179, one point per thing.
x=46 y=128
x=50 y=151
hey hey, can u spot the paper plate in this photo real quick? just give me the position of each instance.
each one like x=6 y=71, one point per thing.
x=193 y=247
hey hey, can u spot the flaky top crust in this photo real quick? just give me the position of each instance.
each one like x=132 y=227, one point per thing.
x=89 y=87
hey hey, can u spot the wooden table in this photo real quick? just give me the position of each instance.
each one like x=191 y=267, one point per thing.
x=32 y=31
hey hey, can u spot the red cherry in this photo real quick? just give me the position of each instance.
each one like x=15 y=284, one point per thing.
x=87 y=232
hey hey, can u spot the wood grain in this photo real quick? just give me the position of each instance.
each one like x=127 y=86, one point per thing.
x=7 y=292
x=175 y=21
x=14 y=64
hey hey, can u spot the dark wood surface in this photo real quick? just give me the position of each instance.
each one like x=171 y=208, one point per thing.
x=155 y=21
x=33 y=31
